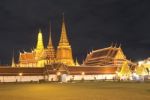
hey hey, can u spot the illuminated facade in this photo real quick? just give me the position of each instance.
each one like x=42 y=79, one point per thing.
x=112 y=56
x=41 y=56
x=143 y=67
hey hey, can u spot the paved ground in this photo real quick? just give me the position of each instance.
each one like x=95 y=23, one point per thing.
x=75 y=91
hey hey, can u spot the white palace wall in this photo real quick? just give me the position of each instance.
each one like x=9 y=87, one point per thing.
x=53 y=77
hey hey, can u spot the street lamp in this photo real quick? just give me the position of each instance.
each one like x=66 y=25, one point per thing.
x=83 y=73
x=20 y=74
x=58 y=73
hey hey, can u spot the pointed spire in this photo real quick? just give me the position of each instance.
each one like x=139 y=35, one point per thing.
x=50 y=39
x=76 y=63
x=63 y=38
x=40 y=40
x=50 y=53
x=13 y=60
x=120 y=45
x=112 y=44
x=83 y=61
x=40 y=30
x=115 y=46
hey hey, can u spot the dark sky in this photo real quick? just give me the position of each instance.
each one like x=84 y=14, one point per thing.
x=91 y=24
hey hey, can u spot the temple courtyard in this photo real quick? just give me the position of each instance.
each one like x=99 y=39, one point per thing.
x=76 y=91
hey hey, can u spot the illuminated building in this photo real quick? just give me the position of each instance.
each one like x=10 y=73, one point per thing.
x=51 y=73
x=108 y=65
x=125 y=72
x=143 y=67
x=64 y=51
x=111 y=56
x=41 y=56
x=145 y=63
x=34 y=58
x=58 y=65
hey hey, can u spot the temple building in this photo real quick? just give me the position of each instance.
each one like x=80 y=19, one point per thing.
x=110 y=56
x=41 y=56
x=36 y=58
x=104 y=64
x=50 y=64
x=143 y=67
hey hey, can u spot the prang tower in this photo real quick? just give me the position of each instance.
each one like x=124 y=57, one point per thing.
x=50 y=54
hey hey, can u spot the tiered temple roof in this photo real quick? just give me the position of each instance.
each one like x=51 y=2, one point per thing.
x=106 y=56
x=53 y=70
x=27 y=57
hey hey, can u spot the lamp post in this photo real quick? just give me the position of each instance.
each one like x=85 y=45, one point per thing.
x=20 y=74
x=83 y=73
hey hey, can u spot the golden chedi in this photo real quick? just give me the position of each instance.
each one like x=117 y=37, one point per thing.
x=64 y=51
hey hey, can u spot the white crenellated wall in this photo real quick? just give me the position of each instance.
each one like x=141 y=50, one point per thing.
x=53 y=77
x=20 y=78
x=91 y=77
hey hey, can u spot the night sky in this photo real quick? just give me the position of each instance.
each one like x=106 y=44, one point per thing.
x=91 y=24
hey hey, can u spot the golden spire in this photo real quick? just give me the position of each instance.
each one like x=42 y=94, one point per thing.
x=64 y=51
x=112 y=44
x=63 y=38
x=50 y=53
x=40 y=41
x=76 y=63
x=50 y=44
x=119 y=46
x=13 y=60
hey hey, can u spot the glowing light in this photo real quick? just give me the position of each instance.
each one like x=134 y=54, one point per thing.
x=58 y=73
x=140 y=63
x=83 y=73
x=116 y=72
x=20 y=74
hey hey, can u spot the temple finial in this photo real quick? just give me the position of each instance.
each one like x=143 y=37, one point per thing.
x=13 y=60
x=115 y=46
x=40 y=30
x=111 y=44
x=120 y=45
x=63 y=14
x=50 y=38
x=76 y=63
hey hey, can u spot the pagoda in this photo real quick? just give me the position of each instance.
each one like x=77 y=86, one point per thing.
x=64 y=51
